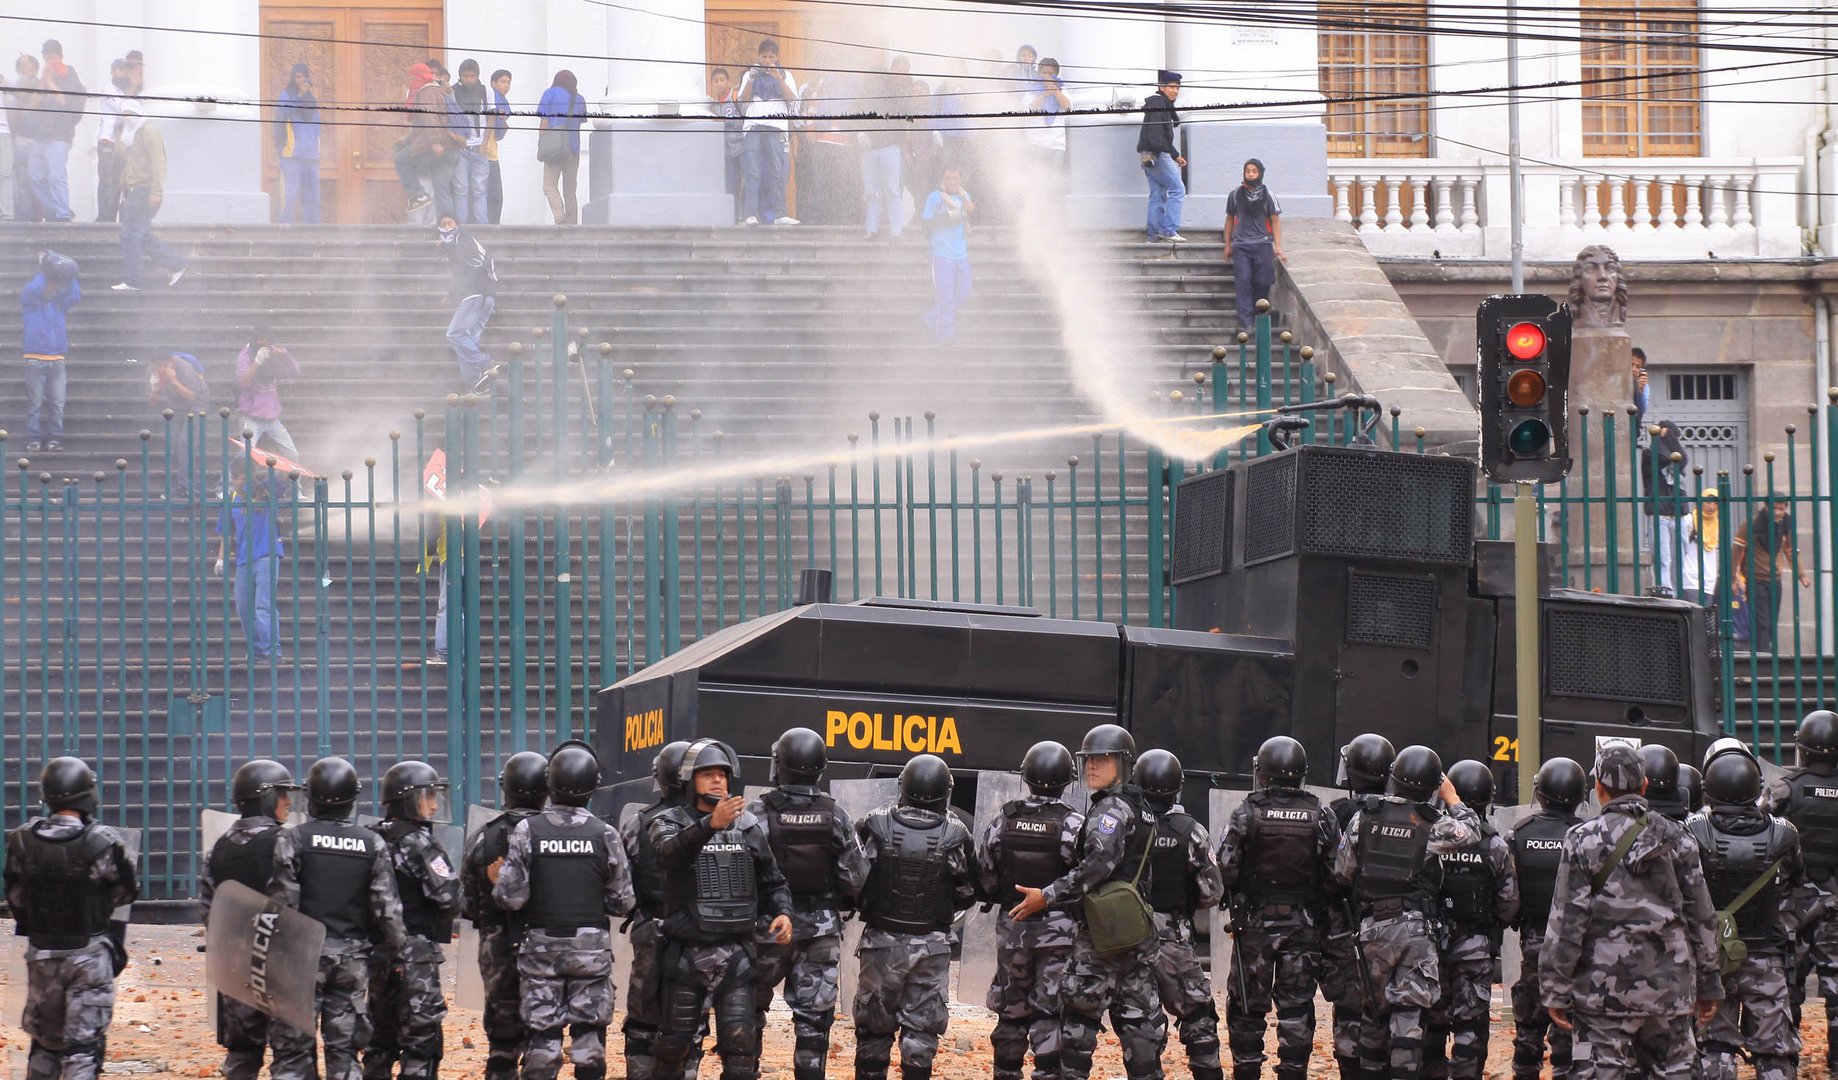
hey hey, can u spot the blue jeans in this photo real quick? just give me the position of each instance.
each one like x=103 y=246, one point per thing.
x=881 y=185
x=471 y=177
x=255 y=604
x=300 y=190
x=950 y=288
x=45 y=381
x=1166 y=193
x=494 y=192
x=137 y=237
x=1253 y=276
x=50 y=178
x=764 y=172
x=463 y=335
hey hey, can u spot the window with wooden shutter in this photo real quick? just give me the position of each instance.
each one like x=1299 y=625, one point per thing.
x=1647 y=51
x=1384 y=52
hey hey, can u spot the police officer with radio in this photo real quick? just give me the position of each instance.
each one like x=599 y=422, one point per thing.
x=1751 y=862
x=262 y=791
x=1807 y=796
x=338 y=872
x=1537 y=843
x=406 y=1005
x=920 y=876
x=1480 y=898
x=523 y=787
x=1183 y=879
x=1664 y=796
x=65 y=876
x=1276 y=858
x=814 y=842
x=563 y=876
x=719 y=878
x=1030 y=843
x=1390 y=856
x=1365 y=766
x=1114 y=973
x=641 y=1000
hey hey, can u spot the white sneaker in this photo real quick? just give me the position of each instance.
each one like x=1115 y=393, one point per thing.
x=176 y=275
x=786 y=221
x=751 y=221
x=1175 y=238
x=125 y=287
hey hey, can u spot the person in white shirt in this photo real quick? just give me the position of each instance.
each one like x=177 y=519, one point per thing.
x=768 y=97
x=110 y=154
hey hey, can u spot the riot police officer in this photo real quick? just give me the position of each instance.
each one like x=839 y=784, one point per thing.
x=1807 y=796
x=1276 y=858
x=1390 y=856
x=1664 y=796
x=641 y=1002
x=66 y=873
x=814 y=842
x=719 y=877
x=563 y=875
x=1537 y=843
x=523 y=787
x=1691 y=787
x=1480 y=897
x=920 y=876
x=1751 y=862
x=1030 y=843
x=262 y=791
x=1113 y=848
x=1183 y=879
x=340 y=873
x=406 y=1005
x=1365 y=766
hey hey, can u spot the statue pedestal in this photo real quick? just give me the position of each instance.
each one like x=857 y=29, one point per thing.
x=1602 y=388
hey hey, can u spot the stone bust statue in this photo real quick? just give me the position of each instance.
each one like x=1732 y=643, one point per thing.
x=1598 y=289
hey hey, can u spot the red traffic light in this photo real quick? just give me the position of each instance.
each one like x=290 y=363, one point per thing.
x=1525 y=388
x=1525 y=341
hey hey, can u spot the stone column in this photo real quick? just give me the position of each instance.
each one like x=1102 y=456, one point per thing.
x=213 y=152
x=1106 y=60
x=1601 y=380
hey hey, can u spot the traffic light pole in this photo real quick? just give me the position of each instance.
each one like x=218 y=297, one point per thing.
x=1525 y=632
x=1516 y=178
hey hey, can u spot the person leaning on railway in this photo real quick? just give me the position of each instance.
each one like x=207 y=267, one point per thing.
x=1276 y=861
x=1630 y=951
x=1480 y=898
x=1184 y=879
x=1113 y=849
x=1537 y=843
x=1365 y=766
x=1390 y=856
x=1807 y=796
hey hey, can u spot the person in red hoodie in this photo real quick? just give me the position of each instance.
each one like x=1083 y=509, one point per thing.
x=426 y=155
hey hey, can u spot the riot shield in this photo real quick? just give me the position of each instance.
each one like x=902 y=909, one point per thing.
x=1503 y=819
x=468 y=985
x=12 y=979
x=976 y=967
x=1219 y=806
x=130 y=839
x=622 y=943
x=859 y=798
x=263 y=955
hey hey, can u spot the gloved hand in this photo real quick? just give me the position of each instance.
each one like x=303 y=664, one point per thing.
x=118 y=945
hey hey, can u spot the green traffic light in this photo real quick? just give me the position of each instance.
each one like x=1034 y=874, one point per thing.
x=1529 y=438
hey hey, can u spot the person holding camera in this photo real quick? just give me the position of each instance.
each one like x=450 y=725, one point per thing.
x=296 y=143
x=769 y=97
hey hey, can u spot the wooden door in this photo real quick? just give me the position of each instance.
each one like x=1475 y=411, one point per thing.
x=359 y=56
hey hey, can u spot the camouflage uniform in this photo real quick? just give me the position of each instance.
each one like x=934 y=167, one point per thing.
x=1274 y=870
x=1397 y=937
x=1536 y=842
x=905 y=972
x=1031 y=954
x=1807 y=796
x=1112 y=843
x=647 y=935
x=505 y=1034
x=70 y=982
x=820 y=876
x=341 y=992
x=1738 y=845
x=1629 y=961
x=406 y=1004
x=242 y=1030
x=1185 y=878
x=1480 y=899
x=1339 y=977
x=566 y=977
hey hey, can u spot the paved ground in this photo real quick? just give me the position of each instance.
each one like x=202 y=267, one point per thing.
x=160 y=1029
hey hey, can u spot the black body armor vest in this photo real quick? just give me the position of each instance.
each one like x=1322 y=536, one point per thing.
x=1281 y=863
x=1814 y=812
x=909 y=889
x=250 y=863
x=67 y=908
x=421 y=916
x=1172 y=889
x=1538 y=848
x=494 y=843
x=1396 y=872
x=567 y=876
x=335 y=876
x=723 y=885
x=1030 y=852
x=647 y=875
x=801 y=830
x=1468 y=886
x=1733 y=862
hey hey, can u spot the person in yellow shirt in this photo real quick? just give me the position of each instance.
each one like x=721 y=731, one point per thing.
x=496 y=130
x=143 y=187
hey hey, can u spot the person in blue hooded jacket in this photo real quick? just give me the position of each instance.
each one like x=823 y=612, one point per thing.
x=45 y=340
x=296 y=142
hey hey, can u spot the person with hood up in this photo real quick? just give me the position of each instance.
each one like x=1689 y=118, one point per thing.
x=1629 y=963
x=296 y=143
x=562 y=109
x=1253 y=241
x=1159 y=147
x=433 y=141
x=474 y=296
x=143 y=188
x=44 y=340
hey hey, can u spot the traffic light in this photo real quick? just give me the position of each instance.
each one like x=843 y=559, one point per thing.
x=1524 y=369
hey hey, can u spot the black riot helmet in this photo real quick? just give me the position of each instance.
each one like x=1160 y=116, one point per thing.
x=258 y=786
x=574 y=774
x=1159 y=774
x=1046 y=768
x=1732 y=779
x=1280 y=762
x=1416 y=773
x=925 y=783
x=1113 y=740
x=68 y=783
x=1726 y=745
x=1365 y=763
x=1473 y=781
x=1560 y=784
x=708 y=754
x=1691 y=787
x=1816 y=741
x=331 y=788
x=799 y=757
x=407 y=784
x=1661 y=765
x=664 y=769
x=524 y=783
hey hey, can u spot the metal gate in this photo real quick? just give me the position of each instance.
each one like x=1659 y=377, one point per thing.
x=1710 y=406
